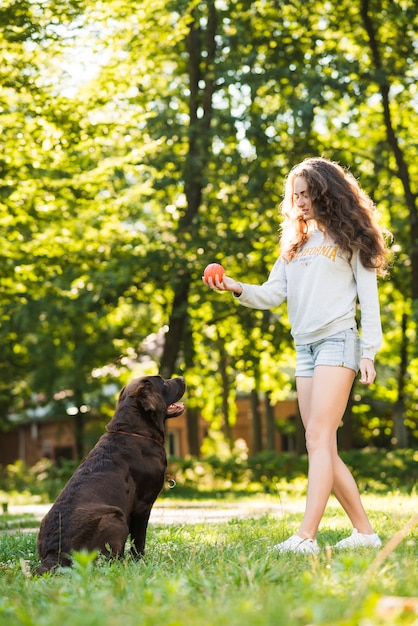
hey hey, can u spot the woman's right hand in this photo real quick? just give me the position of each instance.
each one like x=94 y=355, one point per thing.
x=226 y=284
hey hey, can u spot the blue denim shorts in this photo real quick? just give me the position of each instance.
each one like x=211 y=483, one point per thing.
x=339 y=350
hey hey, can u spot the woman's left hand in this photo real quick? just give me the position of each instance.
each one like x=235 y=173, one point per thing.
x=368 y=373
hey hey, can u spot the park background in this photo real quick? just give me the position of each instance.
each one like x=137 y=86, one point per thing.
x=139 y=142
x=143 y=140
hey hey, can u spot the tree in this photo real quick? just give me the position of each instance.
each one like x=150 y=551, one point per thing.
x=169 y=153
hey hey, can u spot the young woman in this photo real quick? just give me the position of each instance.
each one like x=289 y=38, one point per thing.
x=331 y=250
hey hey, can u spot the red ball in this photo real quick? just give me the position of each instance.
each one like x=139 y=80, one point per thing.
x=211 y=270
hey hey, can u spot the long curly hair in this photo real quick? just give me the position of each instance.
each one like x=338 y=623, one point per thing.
x=341 y=208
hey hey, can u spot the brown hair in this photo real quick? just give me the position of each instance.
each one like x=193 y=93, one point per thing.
x=340 y=207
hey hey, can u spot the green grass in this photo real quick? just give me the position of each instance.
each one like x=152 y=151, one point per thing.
x=17 y=522
x=222 y=574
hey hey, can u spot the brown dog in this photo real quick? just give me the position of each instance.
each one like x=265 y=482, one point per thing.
x=112 y=492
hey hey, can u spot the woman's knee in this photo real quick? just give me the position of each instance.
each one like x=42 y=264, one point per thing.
x=317 y=439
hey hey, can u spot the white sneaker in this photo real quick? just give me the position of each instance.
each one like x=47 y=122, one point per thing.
x=359 y=540
x=298 y=544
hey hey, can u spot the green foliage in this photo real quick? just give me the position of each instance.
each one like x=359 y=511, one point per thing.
x=142 y=141
x=44 y=479
x=376 y=471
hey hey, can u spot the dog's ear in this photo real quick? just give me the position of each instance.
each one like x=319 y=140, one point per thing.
x=122 y=393
x=148 y=397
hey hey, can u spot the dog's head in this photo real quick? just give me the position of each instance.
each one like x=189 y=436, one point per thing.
x=156 y=394
x=152 y=398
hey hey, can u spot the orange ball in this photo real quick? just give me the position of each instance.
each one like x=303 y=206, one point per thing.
x=211 y=270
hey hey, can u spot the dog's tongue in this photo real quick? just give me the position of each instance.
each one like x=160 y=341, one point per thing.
x=175 y=408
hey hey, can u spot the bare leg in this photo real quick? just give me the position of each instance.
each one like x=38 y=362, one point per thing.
x=322 y=401
x=346 y=491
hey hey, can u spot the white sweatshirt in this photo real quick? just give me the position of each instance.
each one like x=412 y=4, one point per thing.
x=321 y=288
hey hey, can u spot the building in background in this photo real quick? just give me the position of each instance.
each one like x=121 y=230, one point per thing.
x=37 y=438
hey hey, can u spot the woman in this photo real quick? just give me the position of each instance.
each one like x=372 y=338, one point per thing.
x=331 y=250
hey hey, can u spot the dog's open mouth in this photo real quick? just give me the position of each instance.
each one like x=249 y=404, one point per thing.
x=175 y=409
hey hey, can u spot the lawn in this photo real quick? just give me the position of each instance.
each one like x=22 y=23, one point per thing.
x=223 y=573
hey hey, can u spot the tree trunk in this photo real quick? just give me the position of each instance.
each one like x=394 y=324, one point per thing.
x=270 y=425
x=411 y=202
x=79 y=435
x=197 y=159
x=403 y=172
x=300 y=435
x=345 y=433
x=400 y=431
x=176 y=329
x=192 y=412
x=257 y=443
x=193 y=431
x=226 y=422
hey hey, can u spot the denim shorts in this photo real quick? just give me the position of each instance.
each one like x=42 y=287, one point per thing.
x=339 y=350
